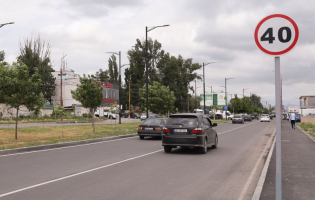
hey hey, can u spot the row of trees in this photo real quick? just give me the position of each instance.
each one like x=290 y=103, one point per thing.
x=247 y=105
x=165 y=71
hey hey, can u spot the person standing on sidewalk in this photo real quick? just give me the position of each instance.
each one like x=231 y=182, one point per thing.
x=292 y=119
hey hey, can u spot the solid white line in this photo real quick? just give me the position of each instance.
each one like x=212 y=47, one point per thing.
x=80 y=145
x=262 y=178
x=251 y=176
x=76 y=174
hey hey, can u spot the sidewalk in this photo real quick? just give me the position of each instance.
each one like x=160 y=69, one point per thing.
x=298 y=167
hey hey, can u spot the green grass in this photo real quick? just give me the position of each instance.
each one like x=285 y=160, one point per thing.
x=308 y=128
x=34 y=136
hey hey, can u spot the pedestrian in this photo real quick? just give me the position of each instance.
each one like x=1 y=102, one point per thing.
x=292 y=119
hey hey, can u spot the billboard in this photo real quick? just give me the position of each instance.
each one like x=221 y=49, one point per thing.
x=213 y=98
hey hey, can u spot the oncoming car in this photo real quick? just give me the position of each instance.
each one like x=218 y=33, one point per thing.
x=265 y=118
x=189 y=130
x=151 y=127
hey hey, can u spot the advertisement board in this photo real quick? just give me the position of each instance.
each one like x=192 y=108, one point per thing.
x=213 y=98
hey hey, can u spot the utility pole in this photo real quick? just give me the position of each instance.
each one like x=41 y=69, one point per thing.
x=129 y=95
x=195 y=94
x=61 y=100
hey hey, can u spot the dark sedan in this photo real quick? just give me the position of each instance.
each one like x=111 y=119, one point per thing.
x=247 y=118
x=151 y=127
x=238 y=119
x=189 y=130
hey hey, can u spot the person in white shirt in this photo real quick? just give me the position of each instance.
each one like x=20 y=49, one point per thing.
x=292 y=119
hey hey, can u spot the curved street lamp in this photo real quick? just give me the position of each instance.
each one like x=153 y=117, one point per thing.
x=146 y=62
x=6 y=24
x=204 y=86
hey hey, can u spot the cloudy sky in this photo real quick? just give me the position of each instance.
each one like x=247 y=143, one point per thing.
x=219 y=31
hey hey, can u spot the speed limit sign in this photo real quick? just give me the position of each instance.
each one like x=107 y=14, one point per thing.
x=276 y=34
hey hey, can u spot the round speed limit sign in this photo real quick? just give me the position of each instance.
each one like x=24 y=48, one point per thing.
x=276 y=34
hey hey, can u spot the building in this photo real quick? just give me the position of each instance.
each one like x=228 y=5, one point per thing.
x=70 y=80
x=307 y=102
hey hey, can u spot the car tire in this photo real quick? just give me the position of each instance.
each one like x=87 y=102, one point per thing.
x=216 y=142
x=141 y=137
x=167 y=149
x=204 y=149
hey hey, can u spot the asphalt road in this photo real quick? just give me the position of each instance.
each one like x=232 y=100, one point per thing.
x=136 y=169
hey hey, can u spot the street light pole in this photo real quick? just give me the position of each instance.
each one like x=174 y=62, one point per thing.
x=204 y=86
x=226 y=97
x=195 y=94
x=146 y=63
x=6 y=24
x=243 y=91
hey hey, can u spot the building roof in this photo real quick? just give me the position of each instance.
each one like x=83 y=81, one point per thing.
x=306 y=96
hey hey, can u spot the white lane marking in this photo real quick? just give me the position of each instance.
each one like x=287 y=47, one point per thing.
x=80 y=145
x=237 y=128
x=251 y=176
x=76 y=174
x=263 y=175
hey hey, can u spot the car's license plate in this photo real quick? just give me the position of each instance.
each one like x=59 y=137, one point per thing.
x=180 y=130
x=149 y=129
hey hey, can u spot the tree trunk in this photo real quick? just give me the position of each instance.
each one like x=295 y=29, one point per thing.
x=93 y=120
x=16 y=122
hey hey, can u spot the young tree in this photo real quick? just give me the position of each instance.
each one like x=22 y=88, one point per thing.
x=161 y=99
x=35 y=54
x=18 y=87
x=113 y=69
x=101 y=76
x=89 y=94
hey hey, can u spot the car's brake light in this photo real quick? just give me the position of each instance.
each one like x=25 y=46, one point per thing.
x=158 y=129
x=166 y=130
x=139 y=128
x=197 y=131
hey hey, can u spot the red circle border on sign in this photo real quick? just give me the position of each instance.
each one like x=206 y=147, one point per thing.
x=287 y=49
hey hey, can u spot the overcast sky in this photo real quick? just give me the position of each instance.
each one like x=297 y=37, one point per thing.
x=205 y=30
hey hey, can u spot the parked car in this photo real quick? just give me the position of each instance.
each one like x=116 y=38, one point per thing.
x=298 y=118
x=189 y=130
x=153 y=115
x=271 y=116
x=238 y=119
x=247 y=118
x=265 y=118
x=311 y=114
x=143 y=116
x=124 y=115
x=151 y=127
x=284 y=116
x=217 y=116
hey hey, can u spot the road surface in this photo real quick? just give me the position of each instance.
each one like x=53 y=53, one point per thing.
x=135 y=169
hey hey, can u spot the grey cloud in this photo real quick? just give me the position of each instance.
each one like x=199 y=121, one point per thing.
x=98 y=8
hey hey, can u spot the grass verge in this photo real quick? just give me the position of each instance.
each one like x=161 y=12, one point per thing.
x=308 y=128
x=34 y=136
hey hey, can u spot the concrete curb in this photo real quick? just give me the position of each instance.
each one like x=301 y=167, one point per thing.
x=306 y=133
x=262 y=178
x=64 y=144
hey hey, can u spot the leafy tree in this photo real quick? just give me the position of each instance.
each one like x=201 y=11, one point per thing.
x=101 y=76
x=113 y=70
x=59 y=110
x=89 y=94
x=2 y=57
x=18 y=88
x=35 y=54
x=161 y=99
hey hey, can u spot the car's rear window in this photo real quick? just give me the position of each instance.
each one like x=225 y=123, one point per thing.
x=237 y=116
x=265 y=115
x=183 y=120
x=153 y=121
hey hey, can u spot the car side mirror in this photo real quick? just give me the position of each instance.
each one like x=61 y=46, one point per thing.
x=214 y=124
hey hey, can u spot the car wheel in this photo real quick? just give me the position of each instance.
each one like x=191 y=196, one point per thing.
x=167 y=149
x=204 y=149
x=141 y=137
x=216 y=141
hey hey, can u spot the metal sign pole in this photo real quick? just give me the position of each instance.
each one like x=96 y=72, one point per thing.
x=278 y=129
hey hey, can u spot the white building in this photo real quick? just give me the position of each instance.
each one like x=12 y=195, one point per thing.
x=69 y=82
